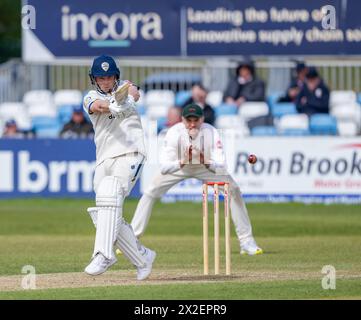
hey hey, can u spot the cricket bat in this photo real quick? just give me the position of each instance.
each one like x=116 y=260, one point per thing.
x=122 y=93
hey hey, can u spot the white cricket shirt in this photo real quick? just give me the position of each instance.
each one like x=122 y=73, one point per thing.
x=114 y=136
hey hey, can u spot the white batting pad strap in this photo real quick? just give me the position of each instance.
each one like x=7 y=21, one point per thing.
x=106 y=231
x=128 y=244
x=110 y=192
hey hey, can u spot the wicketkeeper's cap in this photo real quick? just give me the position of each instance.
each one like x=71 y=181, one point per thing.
x=192 y=110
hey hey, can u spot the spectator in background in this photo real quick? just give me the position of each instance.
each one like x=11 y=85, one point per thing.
x=199 y=96
x=11 y=130
x=77 y=127
x=245 y=86
x=296 y=84
x=173 y=117
x=314 y=96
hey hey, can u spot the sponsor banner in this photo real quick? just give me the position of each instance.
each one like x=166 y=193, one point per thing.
x=91 y=28
x=50 y=168
x=191 y=28
x=288 y=169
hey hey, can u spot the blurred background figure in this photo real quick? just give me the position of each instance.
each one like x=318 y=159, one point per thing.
x=296 y=84
x=173 y=117
x=314 y=95
x=245 y=86
x=11 y=130
x=78 y=126
x=199 y=96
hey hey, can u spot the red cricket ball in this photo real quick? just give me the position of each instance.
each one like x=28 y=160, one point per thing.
x=252 y=159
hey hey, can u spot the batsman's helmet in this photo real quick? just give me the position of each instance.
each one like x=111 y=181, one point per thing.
x=103 y=66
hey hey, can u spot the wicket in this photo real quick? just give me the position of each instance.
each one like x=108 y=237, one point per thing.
x=216 y=227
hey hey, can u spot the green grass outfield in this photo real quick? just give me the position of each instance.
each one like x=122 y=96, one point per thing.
x=57 y=236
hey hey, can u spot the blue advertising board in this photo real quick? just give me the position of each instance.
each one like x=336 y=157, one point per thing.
x=48 y=167
x=68 y=29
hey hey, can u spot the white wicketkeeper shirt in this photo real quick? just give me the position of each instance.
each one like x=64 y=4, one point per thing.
x=177 y=142
x=114 y=136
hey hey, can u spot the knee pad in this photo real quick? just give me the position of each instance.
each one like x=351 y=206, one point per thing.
x=110 y=192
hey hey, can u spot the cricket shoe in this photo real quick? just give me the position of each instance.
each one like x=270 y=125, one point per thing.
x=99 y=264
x=250 y=247
x=144 y=272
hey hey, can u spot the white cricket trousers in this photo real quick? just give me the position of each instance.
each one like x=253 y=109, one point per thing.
x=162 y=183
x=127 y=168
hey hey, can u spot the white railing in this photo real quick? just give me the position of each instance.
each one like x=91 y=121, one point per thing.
x=16 y=77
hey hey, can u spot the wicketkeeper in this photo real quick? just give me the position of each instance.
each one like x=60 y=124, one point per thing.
x=120 y=154
x=193 y=149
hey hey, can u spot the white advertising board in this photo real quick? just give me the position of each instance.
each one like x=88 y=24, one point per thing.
x=307 y=169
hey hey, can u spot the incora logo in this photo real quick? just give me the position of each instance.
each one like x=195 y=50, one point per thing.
x=118 y=26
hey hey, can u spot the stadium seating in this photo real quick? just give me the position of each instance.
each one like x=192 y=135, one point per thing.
x=281 y=109
x=226 y=109
x=293 y=122
x=181 y=97
x=42 y=110
x=323 y=124
x=272 y=99
x=46 y=127
x=214 y=98
x=347 y=128
x=344 y=118
x=295 y=132
x=16 y=111
x=346 y=111
x=160 y=97
x=38 y=97
x=157 y=111
x=342 y=97
x=264 y=131
x=250 y=110
x=68 y=97
x=158 y=102
x=228 y=122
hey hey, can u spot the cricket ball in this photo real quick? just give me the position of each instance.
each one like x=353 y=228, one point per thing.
x=252 y=159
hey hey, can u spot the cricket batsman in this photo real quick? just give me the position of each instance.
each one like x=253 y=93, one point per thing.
x=193 y=149
x=120 y=154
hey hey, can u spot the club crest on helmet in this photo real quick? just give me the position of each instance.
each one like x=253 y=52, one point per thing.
x=105 y=66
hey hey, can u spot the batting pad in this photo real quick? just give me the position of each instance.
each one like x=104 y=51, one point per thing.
x=109 y=200
x=125 y=239
x=129 y=244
